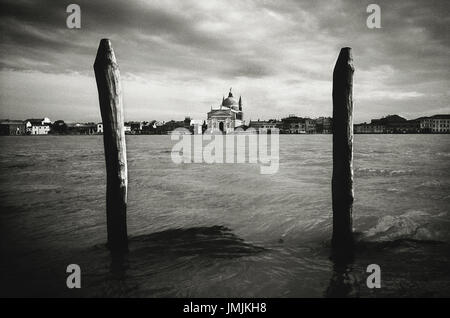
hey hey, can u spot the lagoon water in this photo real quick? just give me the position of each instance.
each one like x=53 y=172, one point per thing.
x=224 y=230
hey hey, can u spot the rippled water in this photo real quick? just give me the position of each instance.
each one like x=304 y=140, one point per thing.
x=224 y=229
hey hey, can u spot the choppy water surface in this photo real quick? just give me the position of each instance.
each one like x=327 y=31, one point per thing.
x=207 y=230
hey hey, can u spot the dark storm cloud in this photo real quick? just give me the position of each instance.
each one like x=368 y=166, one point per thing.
x=145 y=33
x=36 y=30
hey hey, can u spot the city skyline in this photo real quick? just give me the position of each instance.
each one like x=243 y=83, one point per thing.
x=204 y=120
x=247 y=120
x=178 y=60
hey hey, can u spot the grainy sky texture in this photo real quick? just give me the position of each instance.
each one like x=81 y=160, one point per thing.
x=177 y=58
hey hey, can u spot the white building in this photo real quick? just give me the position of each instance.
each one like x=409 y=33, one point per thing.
x=100 y=128
x=436 y=124
x=227 y=116
x=38 y=126
x=197 y=124
x=40 y=130
x=263 y=127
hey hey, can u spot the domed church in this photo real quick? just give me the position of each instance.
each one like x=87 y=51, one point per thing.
x=227 y=116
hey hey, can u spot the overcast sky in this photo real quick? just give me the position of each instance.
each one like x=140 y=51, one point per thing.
x=177 y=58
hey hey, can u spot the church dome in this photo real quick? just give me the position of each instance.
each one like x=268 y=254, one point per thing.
x=230 y=101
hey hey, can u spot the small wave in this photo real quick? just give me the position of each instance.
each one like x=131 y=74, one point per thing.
x=430 y=184
x=20 y=165
x=395 y=190
x=216 y=241
x=362 y=155
x=414 y=225
x=382 y=172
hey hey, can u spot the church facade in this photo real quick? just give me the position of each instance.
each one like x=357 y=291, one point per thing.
x=227 y=116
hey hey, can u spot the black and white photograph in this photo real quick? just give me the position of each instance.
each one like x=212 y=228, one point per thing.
x=239 y=151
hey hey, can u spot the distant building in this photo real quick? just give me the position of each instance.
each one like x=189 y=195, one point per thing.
x=395 y=124
x=435 y=124
x=197 y=129
x=299 y=125
x=426 y=124
x=410 y=127
x=391 y=124
x=58 y=127
x=169 y=127
x=365 y=128
x=39 y=129
x=38 y=126
x=227 y=116
x=293 y=125
x=264 y=127
x=187 y=122
x=297 y=128
x=100 y=128
x=136 y=127
x=12 y=127
x=324 y=125
x=310 y=126
x=196 y=126
x=82 y=129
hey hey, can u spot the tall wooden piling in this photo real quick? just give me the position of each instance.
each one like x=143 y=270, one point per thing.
x=110 y=98
x=342 y=180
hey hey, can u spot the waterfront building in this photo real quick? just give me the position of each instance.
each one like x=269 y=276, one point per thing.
x=435 y=124
x=391 y=124
x=196 y=126
x=227 y=116
x=12 y=127
x=365 y=128
x=264 y=127
x=197 y=129
x=39 y=129
x=187 y=122
x=310 y=126
x=395 y=124
x=82 y=129
x=58 y=127
x=410 y=127
x=169 y=126
x=299 y=125
x=293 y=125
x=297 y=128
x=134 y=127
x=324 y=125
x=38 y=126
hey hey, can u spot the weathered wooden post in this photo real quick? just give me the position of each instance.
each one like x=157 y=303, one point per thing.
x=342 y=181
x=110 y=98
